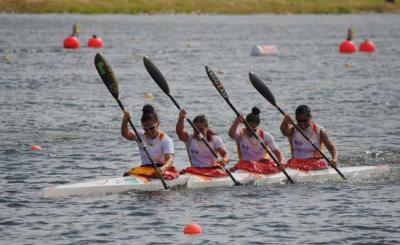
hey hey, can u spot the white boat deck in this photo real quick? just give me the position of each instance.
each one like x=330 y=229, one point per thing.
x=190 y=181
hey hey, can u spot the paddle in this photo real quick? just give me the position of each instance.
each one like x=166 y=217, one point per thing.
x=108 y=77
x=264 y=91
x=162 y=83
x=218 y=85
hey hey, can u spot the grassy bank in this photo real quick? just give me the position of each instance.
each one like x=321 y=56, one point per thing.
x=198 y=6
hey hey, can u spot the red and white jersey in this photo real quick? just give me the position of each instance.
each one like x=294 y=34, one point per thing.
x=200 y=156
x=248 y=146
x=156 y=147
x=301 y=148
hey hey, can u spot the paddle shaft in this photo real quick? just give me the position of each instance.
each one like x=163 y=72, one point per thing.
x=107 y=75
x=158 y=77
x=315 y=147
x=258 y=139
x=221 y=90
x=143 y=145
x=204 y=140
x=264 y=91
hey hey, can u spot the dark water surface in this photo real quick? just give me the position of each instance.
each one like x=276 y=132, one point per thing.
x=55 y=98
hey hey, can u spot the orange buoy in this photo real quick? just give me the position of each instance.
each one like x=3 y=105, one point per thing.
x=367 y=46
x=347 y=46
x=36 y=148
x=71 y=42
x=192 y=229
x=95 y=42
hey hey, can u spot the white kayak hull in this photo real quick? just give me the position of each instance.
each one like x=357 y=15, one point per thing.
x=319 y=175
x=123 y=184
x=112 y=185
x=197 y=181
x=349 y=172
x=278 y=178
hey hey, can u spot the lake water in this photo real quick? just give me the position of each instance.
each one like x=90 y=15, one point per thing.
x=54 y=98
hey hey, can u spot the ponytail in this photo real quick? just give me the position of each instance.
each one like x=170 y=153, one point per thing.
x=149 y=114
x=254 y=117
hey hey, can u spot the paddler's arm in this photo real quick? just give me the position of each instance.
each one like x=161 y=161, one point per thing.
x=224 y=154
x=233 y=129
x=125 y=132
x=270 y=142
x=330 y=146
x=279 y=156
x=180 y=129
x=286 y=127
x=169 y=159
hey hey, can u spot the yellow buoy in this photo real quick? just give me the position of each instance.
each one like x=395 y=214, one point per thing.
x=6 y=58
x=148 y=96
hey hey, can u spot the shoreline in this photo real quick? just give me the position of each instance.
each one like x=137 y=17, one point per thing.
x=225 y=7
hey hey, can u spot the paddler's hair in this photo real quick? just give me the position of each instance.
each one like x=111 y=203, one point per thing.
x=149 y=114
x=254 y=117
x=303 y=109
x=203 y=119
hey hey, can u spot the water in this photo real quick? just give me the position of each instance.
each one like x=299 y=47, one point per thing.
x=55 y=98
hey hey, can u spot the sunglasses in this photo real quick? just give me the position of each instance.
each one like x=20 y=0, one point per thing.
x=150 y=127
x=200 y=130
x=303 y=121
x=254 y=129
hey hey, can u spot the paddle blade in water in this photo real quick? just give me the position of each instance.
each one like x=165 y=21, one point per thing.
x=156 y=74
x=262 y=88
x=106 y=74
x=217 y=83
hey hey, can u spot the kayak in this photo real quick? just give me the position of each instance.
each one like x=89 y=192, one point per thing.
x=112 y=185
x=191 y=181
x=361 y=172
x=140 y=183
x=199 y=181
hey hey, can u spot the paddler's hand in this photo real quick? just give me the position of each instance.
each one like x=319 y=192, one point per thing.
x=288 y=119
x=218 y=163
x=281 y=166
x=334 y=162
x=182 y=114
x=162 y=170
x=239 y=119
x=127 y=116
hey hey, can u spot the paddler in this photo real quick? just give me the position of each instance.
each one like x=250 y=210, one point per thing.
x=158 y=144
x=201 y=158
x=252 y=156
x=304 y=155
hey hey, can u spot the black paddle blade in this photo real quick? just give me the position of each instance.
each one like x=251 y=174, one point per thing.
x=106 y=74
x=217 y=83
x=156 y=74
x=262 y=88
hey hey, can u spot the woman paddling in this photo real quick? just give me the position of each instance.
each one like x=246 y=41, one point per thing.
x=158 y=144
x=201 y=158
x=304 y=156
x=252 y=156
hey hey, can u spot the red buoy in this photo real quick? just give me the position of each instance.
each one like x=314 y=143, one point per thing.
x=95 y=42
x=192 y=229
x=71 y=42
x=347 y=46
x=367 y=46
x=36 y=148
